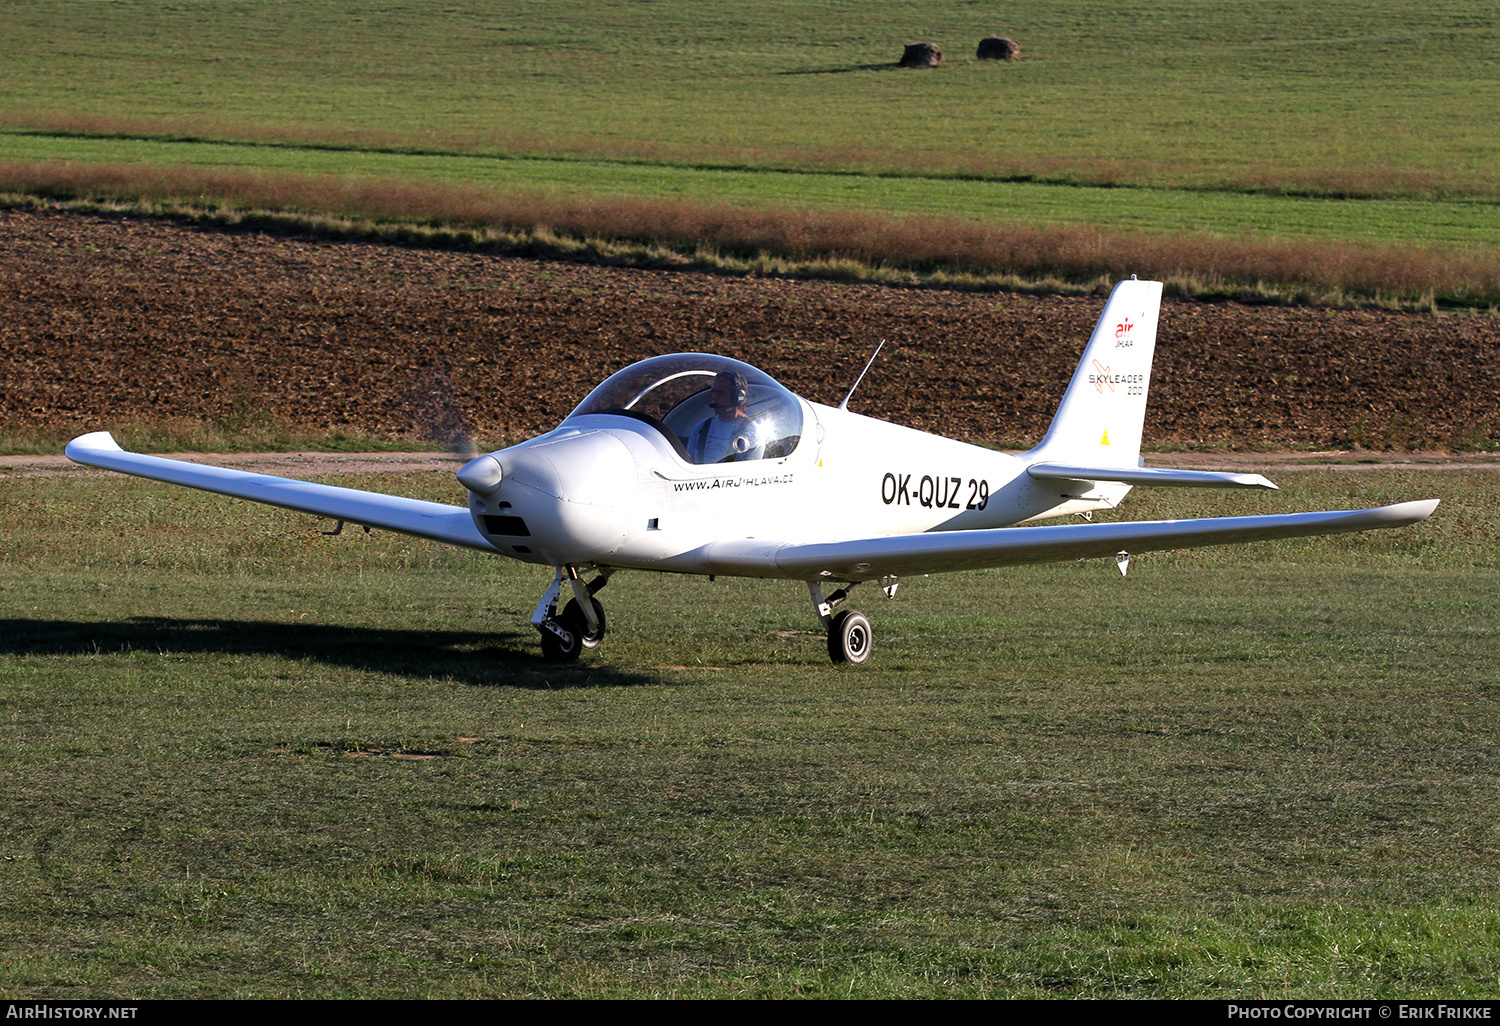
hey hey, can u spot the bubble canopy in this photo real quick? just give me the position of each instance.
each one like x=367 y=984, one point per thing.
x=755 y=416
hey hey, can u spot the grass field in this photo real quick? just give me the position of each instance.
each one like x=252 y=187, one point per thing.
x=1353 y=123
x=1171 y=90
x=248 y=759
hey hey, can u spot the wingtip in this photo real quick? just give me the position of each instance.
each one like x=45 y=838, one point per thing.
x=1426 y=507
x=1402 y=513
x=94 y=440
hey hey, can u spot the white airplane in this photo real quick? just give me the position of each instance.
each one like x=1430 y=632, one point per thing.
x=700 y=464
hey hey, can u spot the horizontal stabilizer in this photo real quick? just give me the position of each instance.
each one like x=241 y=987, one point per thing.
x=1162 y=476
x=940 y=551
x=435 y=520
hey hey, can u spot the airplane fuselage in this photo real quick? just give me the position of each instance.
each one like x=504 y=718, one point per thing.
x=628 y=499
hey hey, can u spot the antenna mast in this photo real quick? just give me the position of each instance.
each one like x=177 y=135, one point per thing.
x=845 y=404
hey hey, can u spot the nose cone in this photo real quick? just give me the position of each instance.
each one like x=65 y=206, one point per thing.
x=482 y=475
x=555 y=500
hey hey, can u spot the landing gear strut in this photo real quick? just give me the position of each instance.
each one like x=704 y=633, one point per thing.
x=580 y=626
x=850 y=639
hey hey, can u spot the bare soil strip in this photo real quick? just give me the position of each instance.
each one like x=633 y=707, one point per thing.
x=109 y=320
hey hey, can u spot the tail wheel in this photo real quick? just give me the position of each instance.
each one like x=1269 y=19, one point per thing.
x=572 y=615
x=850 y=639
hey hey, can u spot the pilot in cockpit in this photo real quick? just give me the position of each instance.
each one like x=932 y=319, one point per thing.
x=730 y=434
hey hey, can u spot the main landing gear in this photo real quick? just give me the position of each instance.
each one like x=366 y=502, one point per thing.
x=580 y=626
x=850 y=639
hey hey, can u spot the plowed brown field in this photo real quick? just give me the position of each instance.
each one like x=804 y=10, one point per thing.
x=107 y=319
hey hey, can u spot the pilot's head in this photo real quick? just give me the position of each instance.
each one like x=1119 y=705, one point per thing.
x=730 y=394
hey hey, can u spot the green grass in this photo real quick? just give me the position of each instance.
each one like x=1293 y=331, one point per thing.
x=248 y=759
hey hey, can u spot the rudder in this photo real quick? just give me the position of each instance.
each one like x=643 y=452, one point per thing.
x=1103 y=412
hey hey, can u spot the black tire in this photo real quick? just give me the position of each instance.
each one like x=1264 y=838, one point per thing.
x=850 y=639
x=572 y=614
x=562 y=650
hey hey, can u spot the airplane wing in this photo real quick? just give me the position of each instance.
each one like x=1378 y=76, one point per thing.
x=1149 y=476
x=938 y=551
x=435 y=520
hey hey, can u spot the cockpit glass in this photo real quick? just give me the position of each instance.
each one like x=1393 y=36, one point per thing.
x=711 y=408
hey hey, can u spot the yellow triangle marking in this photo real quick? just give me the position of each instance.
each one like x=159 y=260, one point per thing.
x=1105 y=439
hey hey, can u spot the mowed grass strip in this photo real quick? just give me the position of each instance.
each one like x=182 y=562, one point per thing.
x=1402 y=220
x=249 y=759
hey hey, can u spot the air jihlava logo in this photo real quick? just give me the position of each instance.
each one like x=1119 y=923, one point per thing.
x=1122 y=330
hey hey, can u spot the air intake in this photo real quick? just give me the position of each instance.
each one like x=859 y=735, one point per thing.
x=511 y=527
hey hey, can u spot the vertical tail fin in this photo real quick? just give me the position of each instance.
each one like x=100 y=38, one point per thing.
x=1103 y=411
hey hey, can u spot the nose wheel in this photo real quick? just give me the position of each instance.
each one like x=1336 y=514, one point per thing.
x=590 y=636
x=561 y=642
x=577 y=629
